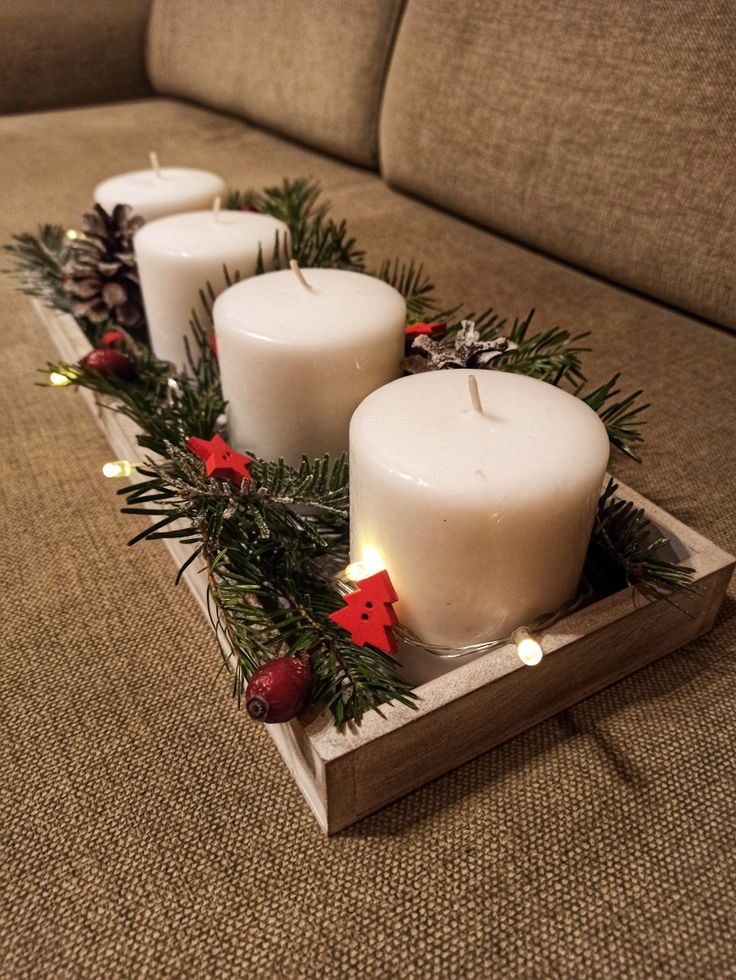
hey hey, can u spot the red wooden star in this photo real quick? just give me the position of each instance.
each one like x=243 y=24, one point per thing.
x=368 y=615
x=220 y=460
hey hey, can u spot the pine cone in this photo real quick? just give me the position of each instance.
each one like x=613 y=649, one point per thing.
x=101 y=272
x=467 y=351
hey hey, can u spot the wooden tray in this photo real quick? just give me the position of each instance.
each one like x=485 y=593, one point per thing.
x=346 y=775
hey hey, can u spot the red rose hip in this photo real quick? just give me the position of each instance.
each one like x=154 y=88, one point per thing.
x=279 y=690
x=110 y=362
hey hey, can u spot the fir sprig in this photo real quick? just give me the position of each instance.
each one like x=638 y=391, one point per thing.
x=38 y=261
x=414 y=285
x=316 y=240
x=621 y=418
x=552 y=355
x=317 y=484
x=626 y=550
x=166 y=408
x=263 y=549
x=555 y=356
x=201 y=360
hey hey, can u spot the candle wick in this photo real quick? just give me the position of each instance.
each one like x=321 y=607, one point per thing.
x=216 y=208
x=153 y=157
x=475 y=394
x=294 y=266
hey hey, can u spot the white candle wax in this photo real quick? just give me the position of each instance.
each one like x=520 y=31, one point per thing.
x=178 y=255
x=482 y=518
x=154 y=194
x=296 y=361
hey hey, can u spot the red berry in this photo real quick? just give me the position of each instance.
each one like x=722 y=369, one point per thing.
x=279 y=689
x=110 y=362
x=113 y=338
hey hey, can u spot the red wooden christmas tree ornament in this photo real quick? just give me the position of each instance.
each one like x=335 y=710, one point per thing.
x=220 y=460
x=368 y=615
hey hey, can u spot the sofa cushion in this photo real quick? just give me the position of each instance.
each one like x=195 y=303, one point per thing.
x=312 y=71
x=602 y=136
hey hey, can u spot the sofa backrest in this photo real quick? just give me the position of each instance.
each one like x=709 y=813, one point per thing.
x=603 y=134
x=312 y=71
x=51 y=52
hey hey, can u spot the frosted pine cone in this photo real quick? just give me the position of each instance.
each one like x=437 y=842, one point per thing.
x=101 y=273
x=467 y=351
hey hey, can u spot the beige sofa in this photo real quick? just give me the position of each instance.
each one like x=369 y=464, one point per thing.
x=576 y=158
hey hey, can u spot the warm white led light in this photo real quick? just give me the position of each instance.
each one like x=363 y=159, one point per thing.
x=58 y=380
x=117 y=468
x=356 y=571
x=527 y=648
x=530 y=652
x=73 y=235
x=369 y=564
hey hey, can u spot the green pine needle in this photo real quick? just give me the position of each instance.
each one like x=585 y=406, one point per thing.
x=414 y=285
x=265 y=581
x=621 y=418
x=38 y=261
x=626 y=550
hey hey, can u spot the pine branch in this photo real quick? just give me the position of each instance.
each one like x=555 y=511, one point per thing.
x=316 y=240
x=166 y=409
x=264 y=582
x=621 y=418
x=553 y=355
x=38 y=262
x=236 y=200
x=202 y=361
x=625 y=550
x=414 y=285
x=315 y=483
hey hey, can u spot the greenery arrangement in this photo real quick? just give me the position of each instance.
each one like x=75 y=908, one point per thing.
x=274 y=546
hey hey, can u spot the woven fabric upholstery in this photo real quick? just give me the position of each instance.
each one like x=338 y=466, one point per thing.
x=310 y=70
x=51 y=52
x=147 y=828
x=601 y=134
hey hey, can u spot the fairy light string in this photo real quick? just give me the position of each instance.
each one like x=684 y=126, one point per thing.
x=523 y=638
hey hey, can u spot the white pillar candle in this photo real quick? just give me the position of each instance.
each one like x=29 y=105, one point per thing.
x=480 y=509
x=157 y=192
x=178 y=255
x=296 y=359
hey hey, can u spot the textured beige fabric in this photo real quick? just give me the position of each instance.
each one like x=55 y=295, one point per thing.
x=147 y=829
x=70 y=52
x=599 y=133
x=311 y=70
